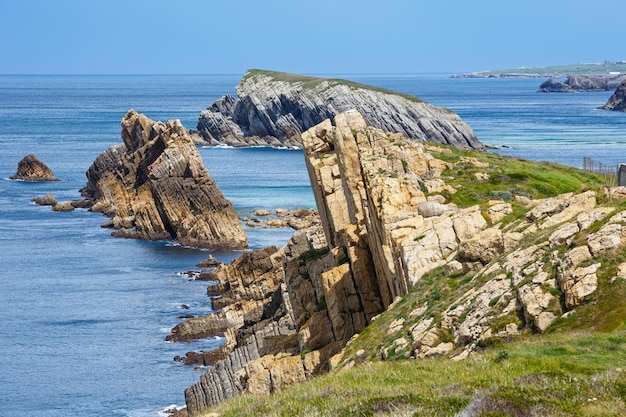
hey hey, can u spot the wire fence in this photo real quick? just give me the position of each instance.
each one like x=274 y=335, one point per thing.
x=606 y=172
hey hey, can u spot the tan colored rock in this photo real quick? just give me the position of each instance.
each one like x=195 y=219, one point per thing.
x=63 y=206
x=498 y=211
x=482 y=176
x=157 y=180
x=587 y=218
x=609 y=237
x=618 y=193
x=578 y=284
x=484 y=247
x=563 y=234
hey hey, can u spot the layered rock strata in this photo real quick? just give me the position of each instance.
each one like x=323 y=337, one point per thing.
x=273 y=109
x=30 y=168
x=617 y=101
x=155 y=186
x=385 y=226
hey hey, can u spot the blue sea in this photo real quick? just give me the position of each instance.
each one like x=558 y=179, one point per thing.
x=84 y=315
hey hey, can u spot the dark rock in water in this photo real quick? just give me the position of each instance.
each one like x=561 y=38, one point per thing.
x=155 y=186
x=554 y=86
x=30 y=168
x=583 y=83
x=47 y=200
x=617 y=102
x=274 y=108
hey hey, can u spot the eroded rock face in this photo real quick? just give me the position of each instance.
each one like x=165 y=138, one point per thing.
x=617 y=101
x=155 y=186
x=274 y=109
x=30 y=168
x=379 y=236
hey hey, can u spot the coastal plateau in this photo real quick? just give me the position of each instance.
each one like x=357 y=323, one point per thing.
x=274 y=109
x=443 y=252
x=155 y=186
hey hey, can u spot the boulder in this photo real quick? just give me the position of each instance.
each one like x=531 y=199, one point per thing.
x=30 y=168
x=155 y=186
x=47 y=200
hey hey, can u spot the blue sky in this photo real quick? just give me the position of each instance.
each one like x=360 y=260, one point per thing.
x=310 y=37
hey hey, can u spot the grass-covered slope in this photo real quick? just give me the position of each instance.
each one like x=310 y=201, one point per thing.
x=576 y=367
x=308 y=82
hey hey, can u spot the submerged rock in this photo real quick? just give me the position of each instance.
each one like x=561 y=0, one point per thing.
x=155 y=186
x=275 y=108
x=30 y=168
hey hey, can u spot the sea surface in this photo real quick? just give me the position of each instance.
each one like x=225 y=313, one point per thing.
x=84 y=315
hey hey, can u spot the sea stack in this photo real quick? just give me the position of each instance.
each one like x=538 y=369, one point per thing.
x=275 y=108
x=30 y=168
x=617 y=102
x=155 y=186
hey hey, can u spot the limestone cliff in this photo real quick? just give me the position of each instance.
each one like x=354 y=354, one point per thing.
x=273 y=109
x=617 y=101
x=155 y=186
x=388 y=228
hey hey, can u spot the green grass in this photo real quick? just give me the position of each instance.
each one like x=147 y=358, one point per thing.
x=563 y=70
x=577 y=374
x=509 y=177
x=308 y=82
x=577 y=368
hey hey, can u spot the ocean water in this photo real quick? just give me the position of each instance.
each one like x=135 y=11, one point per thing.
x=84 y=315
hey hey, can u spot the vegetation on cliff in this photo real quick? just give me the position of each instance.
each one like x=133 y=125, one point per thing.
x=552 y=71
x=557 y=353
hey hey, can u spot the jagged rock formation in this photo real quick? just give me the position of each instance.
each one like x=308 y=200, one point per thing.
x=30 y=168
x=617 y=101
x=274 y=109
x=155 y=186
x=385 y=226
x=582 y=83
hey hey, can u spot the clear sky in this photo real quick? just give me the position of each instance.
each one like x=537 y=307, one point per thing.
x=309 y=37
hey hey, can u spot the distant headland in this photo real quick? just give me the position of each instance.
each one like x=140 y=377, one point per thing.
x=557 y=71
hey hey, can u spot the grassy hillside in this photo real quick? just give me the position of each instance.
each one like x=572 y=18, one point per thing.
x=308 y=82
x=560 y=70
x=576 y=368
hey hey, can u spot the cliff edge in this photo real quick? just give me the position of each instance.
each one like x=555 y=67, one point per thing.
x=274 y=108
x=440 y=254
x=155 y=186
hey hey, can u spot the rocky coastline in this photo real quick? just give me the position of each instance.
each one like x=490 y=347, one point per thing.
x=582 y=83
x=386 y=223
x=274 y=109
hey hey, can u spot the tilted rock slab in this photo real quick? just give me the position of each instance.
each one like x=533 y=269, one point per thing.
x=155 y=186
x=274 y=109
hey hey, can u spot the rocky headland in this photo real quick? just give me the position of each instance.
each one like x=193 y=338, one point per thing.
x=30 y=168
x=389 y=226
x=582 y=83
x=274 y=109
x=617 y=101
x=155 y=186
